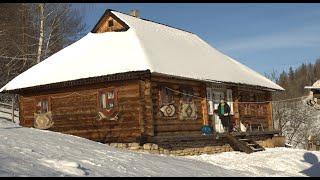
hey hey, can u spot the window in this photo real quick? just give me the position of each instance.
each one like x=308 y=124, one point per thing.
x=166 y=95
x=110 y=23
x=42 y=105
x=107 y=99
x=186 y=92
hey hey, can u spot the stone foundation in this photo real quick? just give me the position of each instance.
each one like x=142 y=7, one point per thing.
x=191 y=147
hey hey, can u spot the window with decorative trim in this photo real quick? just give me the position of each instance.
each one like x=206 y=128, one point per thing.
x=167 y=108
x=186 y=91
x=107 y=100
x=42 y=104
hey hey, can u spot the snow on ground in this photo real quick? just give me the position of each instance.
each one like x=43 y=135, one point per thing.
x=34 y=152
x=272 y=162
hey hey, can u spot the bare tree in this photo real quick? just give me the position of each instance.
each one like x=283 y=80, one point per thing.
x=296 y=121
x=41 y=17
x=29 y=33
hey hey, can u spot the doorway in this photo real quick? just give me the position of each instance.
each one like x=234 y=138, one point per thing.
x=213 y=97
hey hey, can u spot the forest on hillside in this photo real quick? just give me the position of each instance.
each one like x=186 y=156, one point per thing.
x=294 y=80
x=292 y=116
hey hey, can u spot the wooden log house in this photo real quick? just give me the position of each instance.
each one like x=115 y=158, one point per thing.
x=129 y=80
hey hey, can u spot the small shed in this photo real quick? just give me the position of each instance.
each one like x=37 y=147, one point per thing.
x=314 y=93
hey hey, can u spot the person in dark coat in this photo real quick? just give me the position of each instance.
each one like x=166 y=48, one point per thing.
x=223 y=112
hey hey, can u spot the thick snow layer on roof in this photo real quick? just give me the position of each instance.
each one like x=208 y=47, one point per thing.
x=145 y=46
x=315 y=85
x=93 y=55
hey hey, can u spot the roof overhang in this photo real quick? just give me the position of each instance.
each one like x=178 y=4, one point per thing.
x=220 y=82
x=312 y=87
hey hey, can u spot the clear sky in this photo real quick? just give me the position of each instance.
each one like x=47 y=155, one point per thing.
x=263 y=36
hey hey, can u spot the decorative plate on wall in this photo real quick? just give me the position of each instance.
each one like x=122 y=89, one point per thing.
x=43 y=120
x=188 y=110
x=168 y=110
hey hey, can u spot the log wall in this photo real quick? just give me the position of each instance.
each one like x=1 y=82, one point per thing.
x=77 y=114
x=140 y=115
x=248 y=112
x=173 y=125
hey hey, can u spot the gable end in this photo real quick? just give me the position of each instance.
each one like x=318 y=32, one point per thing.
x=109 y=23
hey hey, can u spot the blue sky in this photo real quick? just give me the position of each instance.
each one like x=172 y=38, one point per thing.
x=263 y=36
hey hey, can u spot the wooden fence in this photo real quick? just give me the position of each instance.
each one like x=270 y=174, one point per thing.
x=11 y=107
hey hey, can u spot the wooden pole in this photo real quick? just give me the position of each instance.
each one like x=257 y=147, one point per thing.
x=204 y=111
x=269 y=112
x=235 y=96
x=12 y=109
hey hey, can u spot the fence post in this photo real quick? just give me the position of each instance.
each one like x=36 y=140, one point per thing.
x=12 y=108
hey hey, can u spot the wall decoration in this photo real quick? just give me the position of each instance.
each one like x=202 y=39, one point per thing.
x=188 y=110
x=168 y=110
x=43 y=120
x=111 y=117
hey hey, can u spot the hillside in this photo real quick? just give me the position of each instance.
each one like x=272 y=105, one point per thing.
x=33 y=152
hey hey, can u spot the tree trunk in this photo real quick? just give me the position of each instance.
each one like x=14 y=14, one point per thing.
x=41 y=7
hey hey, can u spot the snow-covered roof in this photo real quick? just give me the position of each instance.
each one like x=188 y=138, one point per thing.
x=146 y=45
x=315 y=85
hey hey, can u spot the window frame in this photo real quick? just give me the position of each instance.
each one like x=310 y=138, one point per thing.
x=165 y=96
x=186 y=90
x=41 y=98
x=108 y=111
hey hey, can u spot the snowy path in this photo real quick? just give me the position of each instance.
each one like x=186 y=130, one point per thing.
x=33 y=152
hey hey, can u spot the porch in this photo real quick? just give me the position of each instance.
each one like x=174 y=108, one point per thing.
x=197 y=143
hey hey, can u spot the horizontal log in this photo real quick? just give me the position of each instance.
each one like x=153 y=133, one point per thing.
x=92 y=110
x=73 y=100
x=176 y=128
x=81 y=129
x=74 y=108
x=116 y=139
x=177 y=122
x=131 y=100
x=127 y=88
x=94 y=134
x=180 y=133
x=74 y=104
x=129 y=95
x=155 y=79
x=27 y=108
x=75 y=118
x=103 y=122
